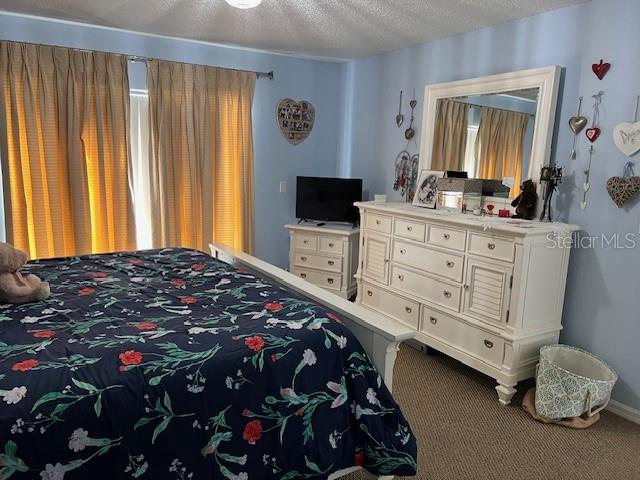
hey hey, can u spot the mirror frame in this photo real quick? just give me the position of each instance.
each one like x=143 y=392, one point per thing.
x=546 y=79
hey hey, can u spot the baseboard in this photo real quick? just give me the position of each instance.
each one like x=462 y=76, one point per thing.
x=624 y=411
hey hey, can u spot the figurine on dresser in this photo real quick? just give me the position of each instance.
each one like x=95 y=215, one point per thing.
x=525 y=203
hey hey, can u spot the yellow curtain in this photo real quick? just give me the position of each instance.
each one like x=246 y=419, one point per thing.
x=201 y=155
x=65 y=150
x=450 y=135
x=500 y=145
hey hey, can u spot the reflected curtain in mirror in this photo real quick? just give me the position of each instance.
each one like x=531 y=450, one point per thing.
x=65 y=150
x=450 y=136
x=500 y=145
x=201 y=155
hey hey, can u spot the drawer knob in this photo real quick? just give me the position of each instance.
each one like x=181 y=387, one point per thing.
x=446 y=236
x=447 y=294
x=304 y=259
x=491 y=246
x=303 y=275
x=402 y=251
x=408 y=309
x=450 y=264
x=433 y=320
x=331 y=262
x=401 y=278
x=488 y=343
x=370 y=293
x=330 y=281
x=378 y=222
x=409 y=228
x=331 y=245
x=305 y=241
x=466 y=287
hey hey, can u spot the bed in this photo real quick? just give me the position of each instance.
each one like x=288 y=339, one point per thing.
x=173 y=364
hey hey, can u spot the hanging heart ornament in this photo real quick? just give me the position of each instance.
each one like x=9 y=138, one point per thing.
x=621 y=190
x=295 y=119
x=626 y=136
x=592 y=134
x=600 y=69
x=577 y=124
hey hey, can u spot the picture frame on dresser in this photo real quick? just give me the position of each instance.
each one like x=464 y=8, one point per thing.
x=426 y=195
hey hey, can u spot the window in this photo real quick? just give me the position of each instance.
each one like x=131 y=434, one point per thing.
x=139 y=138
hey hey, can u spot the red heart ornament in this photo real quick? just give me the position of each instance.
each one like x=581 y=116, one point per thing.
x=592 y=133
x=600 y=69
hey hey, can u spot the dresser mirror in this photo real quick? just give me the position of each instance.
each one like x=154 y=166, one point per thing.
x=497 y=128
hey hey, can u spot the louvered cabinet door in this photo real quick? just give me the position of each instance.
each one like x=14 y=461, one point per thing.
x=487 y=291
x=375 y=260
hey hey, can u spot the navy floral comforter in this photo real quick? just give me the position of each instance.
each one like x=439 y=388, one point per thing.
x=169 y=364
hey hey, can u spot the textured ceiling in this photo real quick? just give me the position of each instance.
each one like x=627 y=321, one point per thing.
x=329 y=28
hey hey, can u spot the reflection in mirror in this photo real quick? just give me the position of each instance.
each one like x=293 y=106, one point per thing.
x=487 y=136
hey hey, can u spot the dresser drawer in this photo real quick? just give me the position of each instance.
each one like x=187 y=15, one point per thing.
x=402 y=309
x=409 y=229
x=460 y=335
x=448 y=265
x=330 y=245
x=447 y=237
x=309 y=260
x=430 y=289
x=379 y=223
x=494 y=247
x=321 y=279
x=305 y=242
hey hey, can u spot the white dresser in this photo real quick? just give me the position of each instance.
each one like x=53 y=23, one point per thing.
x=486 y=291
x=326 y=256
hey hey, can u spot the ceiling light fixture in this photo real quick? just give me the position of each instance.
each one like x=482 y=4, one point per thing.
x=244 y=4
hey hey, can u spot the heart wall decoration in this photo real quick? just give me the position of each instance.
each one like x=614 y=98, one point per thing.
x=621 y=190
x=592 y=134
x=295 y=119
x=626 y=135
x=600 y=69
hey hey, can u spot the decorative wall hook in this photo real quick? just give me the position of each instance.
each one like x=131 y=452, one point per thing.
x=587 y=174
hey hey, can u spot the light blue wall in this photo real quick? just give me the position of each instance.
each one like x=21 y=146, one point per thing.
x=275 y=159
x=602 y=306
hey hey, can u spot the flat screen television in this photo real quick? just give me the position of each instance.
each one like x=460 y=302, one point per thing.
x=328 y=199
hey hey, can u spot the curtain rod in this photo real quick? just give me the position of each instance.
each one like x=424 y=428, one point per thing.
x=138 y=58
x=489 y=106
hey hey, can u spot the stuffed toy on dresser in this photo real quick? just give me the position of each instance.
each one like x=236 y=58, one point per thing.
x=15 y=287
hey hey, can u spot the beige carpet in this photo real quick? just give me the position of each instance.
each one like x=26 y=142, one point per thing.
x=463 y=433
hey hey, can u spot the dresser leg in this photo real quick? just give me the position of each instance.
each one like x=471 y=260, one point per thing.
x=505 y=393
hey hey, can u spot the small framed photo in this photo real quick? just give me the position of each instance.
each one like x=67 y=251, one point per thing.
x=427 y=188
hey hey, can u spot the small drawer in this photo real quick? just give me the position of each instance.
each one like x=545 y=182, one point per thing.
x=306 y=242
x=409 y=229
x=309 y=260
x=430 y=289
x=475 y=341
x=321 y=279
x=402 y=309
x=494 y=247
x=447 y=237
x=447 y=265
x=330 y=245
x=379 y=223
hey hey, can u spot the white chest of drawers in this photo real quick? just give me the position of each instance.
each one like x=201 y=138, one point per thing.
x=326 y=256
x=488 y=292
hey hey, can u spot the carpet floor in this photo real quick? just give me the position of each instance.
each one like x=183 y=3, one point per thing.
x=463 y=433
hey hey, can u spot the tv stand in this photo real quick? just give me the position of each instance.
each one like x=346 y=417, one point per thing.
x=326 y=255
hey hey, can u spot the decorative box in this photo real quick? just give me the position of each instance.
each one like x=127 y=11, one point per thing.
x=495 y=188
x=462 y=185
x=458 y=201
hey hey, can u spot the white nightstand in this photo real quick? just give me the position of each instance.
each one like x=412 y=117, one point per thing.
x=326 y=256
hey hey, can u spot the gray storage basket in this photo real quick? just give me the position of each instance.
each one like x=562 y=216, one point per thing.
x=571 y=382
